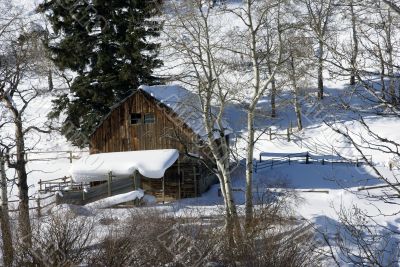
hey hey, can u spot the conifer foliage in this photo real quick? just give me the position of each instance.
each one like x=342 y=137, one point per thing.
x=110 y=46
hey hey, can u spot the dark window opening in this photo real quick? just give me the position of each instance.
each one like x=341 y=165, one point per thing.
x=136 y=118
x=149 y=118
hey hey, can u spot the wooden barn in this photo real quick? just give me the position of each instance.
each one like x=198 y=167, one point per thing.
x=155 y=118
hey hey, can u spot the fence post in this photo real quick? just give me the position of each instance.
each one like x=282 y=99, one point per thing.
x=70 y=157
x=40 y=185
x=163 y=189
x=195 y=181
x=109 y=183
x=179 y=179
x=39 y=211
x=83 y=192
x=179 y=185
x=289 y=159
x=307 y=157
x=270 y=134
x=288 y=135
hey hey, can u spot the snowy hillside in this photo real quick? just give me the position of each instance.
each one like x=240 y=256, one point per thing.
x=335 y=180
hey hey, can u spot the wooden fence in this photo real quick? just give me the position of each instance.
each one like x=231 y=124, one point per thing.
x=83 y=193
x=52 y=155
x=306 y=158
x=60 y=184
x=39 y=206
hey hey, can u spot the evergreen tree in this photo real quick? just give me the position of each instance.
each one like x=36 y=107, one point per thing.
x=109 y=45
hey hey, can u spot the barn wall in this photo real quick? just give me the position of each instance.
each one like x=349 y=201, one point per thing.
x=117 y=134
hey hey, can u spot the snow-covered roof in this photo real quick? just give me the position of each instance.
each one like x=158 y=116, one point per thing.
x=185 y=104
x=149 y=163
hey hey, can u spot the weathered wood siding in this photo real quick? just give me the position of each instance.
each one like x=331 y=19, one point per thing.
x=117 y=134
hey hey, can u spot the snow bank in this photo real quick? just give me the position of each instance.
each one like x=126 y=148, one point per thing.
x=70 y=209
x=149 y=163
x=115 y=200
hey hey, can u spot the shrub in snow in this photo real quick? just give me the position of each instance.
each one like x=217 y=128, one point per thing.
x=135 y=243
x=57 y=240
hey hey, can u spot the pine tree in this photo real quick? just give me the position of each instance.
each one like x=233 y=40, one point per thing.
x=109 y=45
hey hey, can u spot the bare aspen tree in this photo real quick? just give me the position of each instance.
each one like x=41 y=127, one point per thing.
x=378 y=45
x=374 y=31
x=387 y=25
x=21 y=63
x=293 y=76
x=319 y=19
x=298 y=65
x=194 y=45
x=377 y=40
x=354 y=52
x=253 y=44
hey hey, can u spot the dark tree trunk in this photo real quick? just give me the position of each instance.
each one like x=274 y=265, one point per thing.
x=320 y=70
x=8 y=250
x=50 y=80
x=20 y=167
x=382 y=74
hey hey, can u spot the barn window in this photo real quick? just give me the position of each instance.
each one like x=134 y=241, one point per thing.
x=149 y=118
x=136 y=118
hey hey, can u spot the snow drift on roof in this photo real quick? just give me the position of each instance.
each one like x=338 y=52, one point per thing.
x=185 y=104
x=149 y=163
x=115 y=200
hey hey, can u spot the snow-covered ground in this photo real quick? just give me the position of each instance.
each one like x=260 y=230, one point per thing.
x=335 y=186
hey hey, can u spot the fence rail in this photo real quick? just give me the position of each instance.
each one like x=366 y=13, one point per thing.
x=60 y=184
x=377 y=187
x=39 y=206
x=61 y=154
x=307 y=158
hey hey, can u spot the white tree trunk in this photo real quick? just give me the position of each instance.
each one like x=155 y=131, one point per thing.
x=355 y=44
x=297 y=107
x=249 y=167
